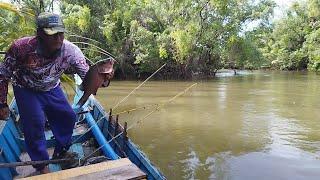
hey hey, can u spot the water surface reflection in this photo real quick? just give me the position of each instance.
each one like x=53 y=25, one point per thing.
x=254 y=126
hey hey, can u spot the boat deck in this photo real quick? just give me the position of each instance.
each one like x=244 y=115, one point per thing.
x=116 y=169
x=27 y=171
x=85 y=144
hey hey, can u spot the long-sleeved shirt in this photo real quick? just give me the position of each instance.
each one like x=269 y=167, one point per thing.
x=26 y=66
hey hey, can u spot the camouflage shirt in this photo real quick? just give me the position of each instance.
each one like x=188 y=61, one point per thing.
x=25 y=65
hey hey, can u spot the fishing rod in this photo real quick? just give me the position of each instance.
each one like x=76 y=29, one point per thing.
x=84 y=159
x=109 y=54
x=89 y=60
x=135 y=109
x=28 y=163
x=119 y=103
x=75 y=35
x=95 y=51
x=162 y=104
x=138 y=87
x=139 y=121
x=92 y=63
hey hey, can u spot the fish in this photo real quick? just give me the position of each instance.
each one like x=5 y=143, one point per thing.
x=96 y=77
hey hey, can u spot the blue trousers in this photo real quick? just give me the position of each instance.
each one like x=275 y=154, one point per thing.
x=34 y=108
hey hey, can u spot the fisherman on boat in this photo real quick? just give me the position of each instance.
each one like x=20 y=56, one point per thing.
x=35 y=65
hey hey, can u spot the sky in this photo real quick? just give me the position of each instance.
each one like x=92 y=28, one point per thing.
x=282 y=6
x=279 y=12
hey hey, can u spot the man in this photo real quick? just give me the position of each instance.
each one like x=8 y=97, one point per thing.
x=35 y=65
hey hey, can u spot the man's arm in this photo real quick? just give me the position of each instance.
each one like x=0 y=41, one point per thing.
x=6 y=69
x=81 y=67
x=78 y=64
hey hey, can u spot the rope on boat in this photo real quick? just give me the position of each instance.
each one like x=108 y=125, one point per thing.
x=139 y=121
x=138 y=87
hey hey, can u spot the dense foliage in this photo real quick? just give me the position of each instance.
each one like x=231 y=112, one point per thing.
x=293 y=44
x=192 y=37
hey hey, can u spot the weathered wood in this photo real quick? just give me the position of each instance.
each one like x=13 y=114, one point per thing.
x=117 y=169
x=124 y=172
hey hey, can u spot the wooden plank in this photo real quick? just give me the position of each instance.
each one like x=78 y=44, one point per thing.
x=85 y=170
x=124 y=172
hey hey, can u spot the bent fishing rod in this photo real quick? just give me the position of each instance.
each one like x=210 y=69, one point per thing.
x=89 y=44
x=84 y=159
x=138 y=87
x=120 y=101
x=140 y=120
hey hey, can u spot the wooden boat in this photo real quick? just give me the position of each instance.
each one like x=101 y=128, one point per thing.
x=131 y=163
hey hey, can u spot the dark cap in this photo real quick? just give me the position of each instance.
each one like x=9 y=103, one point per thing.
x=50 y=23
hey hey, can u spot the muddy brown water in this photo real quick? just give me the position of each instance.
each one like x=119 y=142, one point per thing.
x=257 y=125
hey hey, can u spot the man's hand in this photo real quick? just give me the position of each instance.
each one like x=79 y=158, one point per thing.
x=4 y=113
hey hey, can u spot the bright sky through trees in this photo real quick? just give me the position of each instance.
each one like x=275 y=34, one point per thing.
x=282 y=6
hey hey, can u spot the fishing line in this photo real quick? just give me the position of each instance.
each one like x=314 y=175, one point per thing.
x=106 y=114
x=134 y=109
x=162 y=104
x=75 y=35
x=138 y=86
x=145 y=117
x=89 y=60
x=109 y=54
x=95 y=51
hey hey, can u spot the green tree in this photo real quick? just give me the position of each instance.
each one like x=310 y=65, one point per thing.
x=294 y=41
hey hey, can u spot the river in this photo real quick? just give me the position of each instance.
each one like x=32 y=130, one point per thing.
x=259 y=125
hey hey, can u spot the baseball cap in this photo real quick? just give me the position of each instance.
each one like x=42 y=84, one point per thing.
x=50 y=23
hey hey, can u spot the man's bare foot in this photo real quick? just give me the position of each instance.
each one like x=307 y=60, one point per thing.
x=45 y=170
